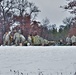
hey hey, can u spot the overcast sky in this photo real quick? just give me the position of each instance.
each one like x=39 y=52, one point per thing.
x=51 y=9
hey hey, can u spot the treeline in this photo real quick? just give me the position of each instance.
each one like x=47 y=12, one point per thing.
x=11 y=8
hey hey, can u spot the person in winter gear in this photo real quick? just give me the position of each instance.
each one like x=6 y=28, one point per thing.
x=36 y=40
x=16 y=38
x=61 y=42
x=6 y=38
x=29 y=39
x=42 y=41
x=22 y=39
x=68 y=40
x=46 y=42
x=73 y=39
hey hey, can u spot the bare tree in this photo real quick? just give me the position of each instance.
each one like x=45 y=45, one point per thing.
x=34 y=10
x=45 y=22
x=68 y=21
x=6 y=7
x=71 y=7
x=21 y=7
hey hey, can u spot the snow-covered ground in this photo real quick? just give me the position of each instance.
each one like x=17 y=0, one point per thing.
x=30 y=60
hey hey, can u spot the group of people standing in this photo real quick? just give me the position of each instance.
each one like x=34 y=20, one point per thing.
x=13 y=39
x=18 y=39
x=71 y=40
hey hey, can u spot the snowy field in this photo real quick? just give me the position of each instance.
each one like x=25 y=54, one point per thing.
x=51 y=60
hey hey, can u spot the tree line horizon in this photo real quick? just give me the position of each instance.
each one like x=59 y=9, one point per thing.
x=9 y=8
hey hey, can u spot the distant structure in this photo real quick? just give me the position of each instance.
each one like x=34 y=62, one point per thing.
x=72 y=31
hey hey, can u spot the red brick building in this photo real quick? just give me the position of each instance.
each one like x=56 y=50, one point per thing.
x=72 y=31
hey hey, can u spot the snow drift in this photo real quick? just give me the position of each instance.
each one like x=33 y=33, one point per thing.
x=32 y=60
